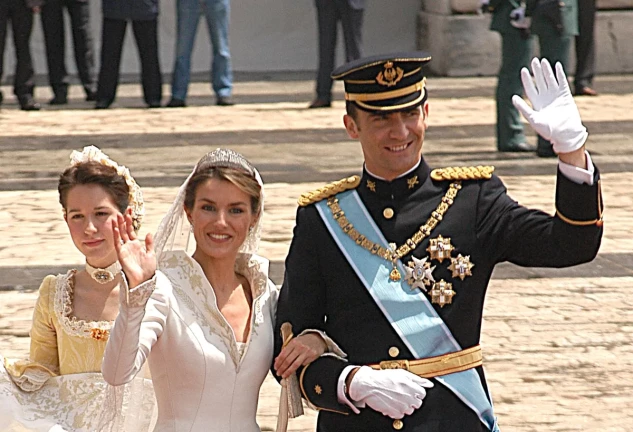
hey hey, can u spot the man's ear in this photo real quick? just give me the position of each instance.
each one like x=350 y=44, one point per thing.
x=350 y=126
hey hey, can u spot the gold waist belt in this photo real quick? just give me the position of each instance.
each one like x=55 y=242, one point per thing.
x=437 y=366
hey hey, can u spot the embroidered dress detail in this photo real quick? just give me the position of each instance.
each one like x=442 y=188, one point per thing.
x=193 y=289
x=64 y=292
x=138 y=296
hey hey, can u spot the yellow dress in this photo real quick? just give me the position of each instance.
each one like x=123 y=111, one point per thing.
x=60 y=386
x=60 y=343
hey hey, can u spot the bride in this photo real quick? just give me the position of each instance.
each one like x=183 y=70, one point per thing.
x=203 y=322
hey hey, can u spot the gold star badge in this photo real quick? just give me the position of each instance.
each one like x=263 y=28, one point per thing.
x=317 y=389
x=440 y=248
x=371 y=185
x=461 y=266
x=442 y=293
x=412 y=182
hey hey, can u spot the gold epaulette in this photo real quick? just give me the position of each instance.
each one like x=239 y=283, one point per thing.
x=328 y=190
x=463 y=173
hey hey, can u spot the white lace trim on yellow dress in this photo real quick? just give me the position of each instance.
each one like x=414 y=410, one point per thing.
x=64 y=293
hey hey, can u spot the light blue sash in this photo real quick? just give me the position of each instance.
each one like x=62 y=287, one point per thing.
x=409 y=311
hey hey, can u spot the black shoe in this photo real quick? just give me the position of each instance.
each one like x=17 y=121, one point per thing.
x=320 y=103
x=176 y=103
x=224 y=101
x=545 y=151
x=154 y=104
x=1 y=98
x=27 y=103
x=518 y=148
x=59 y=100
x=101 y=104
x=91 y=96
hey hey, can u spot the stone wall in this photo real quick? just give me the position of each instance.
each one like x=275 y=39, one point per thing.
x=461 y=44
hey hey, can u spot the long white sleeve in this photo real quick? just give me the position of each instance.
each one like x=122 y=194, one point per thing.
x=141 y=320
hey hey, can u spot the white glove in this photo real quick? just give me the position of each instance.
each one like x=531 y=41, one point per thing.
x=392 y=392
x=554 y=114
x=518 y=18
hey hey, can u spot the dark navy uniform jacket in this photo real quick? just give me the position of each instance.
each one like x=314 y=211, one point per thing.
x=321 y=291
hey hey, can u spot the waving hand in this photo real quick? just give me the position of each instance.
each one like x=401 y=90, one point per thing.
x=137 y=258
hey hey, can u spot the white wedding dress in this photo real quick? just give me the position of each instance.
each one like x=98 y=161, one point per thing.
x=204 y=382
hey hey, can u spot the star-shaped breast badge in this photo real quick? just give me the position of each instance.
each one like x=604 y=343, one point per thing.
x=317 y=389
x=461 y=266
x=420 y=273
x=442 y=293
x=440 y=248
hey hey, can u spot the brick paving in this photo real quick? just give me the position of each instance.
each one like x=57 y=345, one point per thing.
x=558 y=345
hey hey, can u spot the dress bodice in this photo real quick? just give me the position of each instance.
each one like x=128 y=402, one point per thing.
x=204 y=381
x=61 y=344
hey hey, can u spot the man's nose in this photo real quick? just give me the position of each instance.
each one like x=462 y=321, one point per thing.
x=398 y=127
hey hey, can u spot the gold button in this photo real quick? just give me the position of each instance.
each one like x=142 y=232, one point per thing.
x=397 y=424
x=387 y=213
x=394 y=351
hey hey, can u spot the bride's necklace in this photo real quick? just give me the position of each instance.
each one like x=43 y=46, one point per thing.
x=105 y=275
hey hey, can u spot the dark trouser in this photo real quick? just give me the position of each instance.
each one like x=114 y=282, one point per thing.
x=52 y=17
x=329 y=13
x=21 y=22
x=585 y=44
x=555 y=49
x=146 y=37
x=516 y=52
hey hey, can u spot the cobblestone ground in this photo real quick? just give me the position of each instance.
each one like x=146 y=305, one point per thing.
x=558 y=344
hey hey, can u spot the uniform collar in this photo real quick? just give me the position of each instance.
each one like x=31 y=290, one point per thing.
x=402 y=186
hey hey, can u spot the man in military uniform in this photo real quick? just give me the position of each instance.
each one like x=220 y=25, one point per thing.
x=508 y=18
x=394 y=265
x=555 y=22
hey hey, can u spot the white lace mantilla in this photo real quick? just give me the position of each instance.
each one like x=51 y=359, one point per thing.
x=63 y=304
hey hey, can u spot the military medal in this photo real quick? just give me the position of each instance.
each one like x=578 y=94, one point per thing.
x=461 y=266
x=440 y=248
x=442 y=293
x=395 y=273
x=420 y=273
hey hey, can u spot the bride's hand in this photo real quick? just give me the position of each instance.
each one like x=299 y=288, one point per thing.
x=300 y=351
x=137 y=259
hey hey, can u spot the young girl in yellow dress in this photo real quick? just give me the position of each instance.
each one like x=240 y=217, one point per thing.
x=60 y=386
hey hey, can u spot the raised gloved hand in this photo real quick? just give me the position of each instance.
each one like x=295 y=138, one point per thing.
x=392 y=392
x=518 y=18
x=554 y=114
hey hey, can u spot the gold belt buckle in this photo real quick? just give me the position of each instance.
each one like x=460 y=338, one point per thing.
x=395 y=364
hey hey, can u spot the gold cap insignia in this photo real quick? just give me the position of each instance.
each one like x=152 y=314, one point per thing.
x=390 y=76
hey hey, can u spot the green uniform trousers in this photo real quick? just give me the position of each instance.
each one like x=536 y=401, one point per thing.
x=516 y=52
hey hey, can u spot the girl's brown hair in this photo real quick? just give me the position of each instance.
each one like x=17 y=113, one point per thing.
x=94 y=173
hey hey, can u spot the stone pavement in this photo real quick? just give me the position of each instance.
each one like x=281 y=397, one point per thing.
x=557 y=343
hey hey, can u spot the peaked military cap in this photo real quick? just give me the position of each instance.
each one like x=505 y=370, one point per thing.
x=387 y=82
